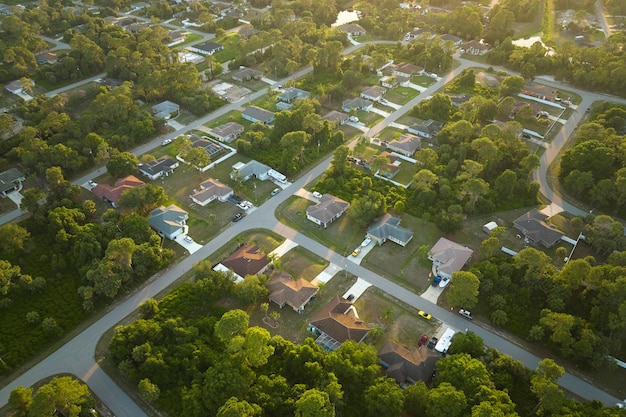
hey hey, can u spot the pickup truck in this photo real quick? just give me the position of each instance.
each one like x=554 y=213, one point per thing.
x=466 y=313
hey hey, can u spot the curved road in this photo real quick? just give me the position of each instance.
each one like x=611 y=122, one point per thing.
x=77 y=355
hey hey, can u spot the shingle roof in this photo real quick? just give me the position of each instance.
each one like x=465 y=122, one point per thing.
x=335 y=116
x=211 y=188
x=247 y=260
x=257 y=113
x=339 y=321
x=164 y=163
x=408 y=365
x=228 y=129
x=328 y=208
x=450 y=255
x=407 y=143
x=534 y=227
x=114 y=193
x=167 y=219
x=285 y=290
x=389 y=226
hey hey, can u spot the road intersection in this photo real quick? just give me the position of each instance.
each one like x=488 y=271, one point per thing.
x=77 y=355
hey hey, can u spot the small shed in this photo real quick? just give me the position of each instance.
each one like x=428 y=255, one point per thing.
x=489 y=227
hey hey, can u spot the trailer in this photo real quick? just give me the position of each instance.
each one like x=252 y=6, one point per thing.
x=445 y=340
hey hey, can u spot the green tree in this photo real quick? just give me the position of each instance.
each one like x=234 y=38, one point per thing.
x=469 y=343
x=62 y=395
x=253 y=347
x=446 y=401
x=122 y=164
x=20 y=399
x=463 y=290
x=235 y=408
x=233 y=323
x=314 y=403
x=383 y=397
x=148 y=390
x=415 y=399
x=465 y=373
x=511 y=85
x=197 y=157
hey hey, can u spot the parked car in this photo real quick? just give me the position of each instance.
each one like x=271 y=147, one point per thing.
x=350 y=297
x=237 y=217
x=543 y=114
x=166 y=142
x=92 y=184
x=383 y=101
x=353 y=119
x=275 y=191
x=356 y=251
x=466 y=313
x=317 y=195
x=366 y=242
x=188 y=239
x=423 y=340
x=432 y=343
x=444 y=282
x=424 y=315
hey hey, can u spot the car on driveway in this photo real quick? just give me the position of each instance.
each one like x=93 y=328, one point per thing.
x=366 y=242
x=432 y=343
x=424 y=314
x=92 y=184
x=237 y=217
x=444 y=282
x=423 y=340
x=356 y=251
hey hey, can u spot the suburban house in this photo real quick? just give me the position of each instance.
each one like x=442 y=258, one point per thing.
x=247 y=260
x=392 y=81
x=47 y=58
x=404 y=69
x=355 y=104
x=373 y=93
x=535 y=228
x=176 y=37
x=10 y=180
x=244 y=172
x=539 y=91
x=327 y=210
x=227 y=132
x=407 y=366
x=336 y=116
x=388 y=228
x=291 y=94
x=168 y=221
x=336 y=323
x=16 y=87
x=113 y=194
x=158 y=168
x=390 y=169
x=284 y=290
x=454 y=39
x=352 y=29
x=165 y=110
x=474 y=47
x=136 y=27
x=206 y=48
x=256 y=114
x=429 y=129
x=211 y=147
x=211 y=190
x=247 y=74
x=406 y=145
x=448 y=257
x=247 y=31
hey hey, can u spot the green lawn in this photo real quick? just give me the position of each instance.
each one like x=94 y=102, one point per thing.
x=231 y=116
x=401 y=95
x=422 y=80
x=302 y=263
x=189 y=39
x=230 y=42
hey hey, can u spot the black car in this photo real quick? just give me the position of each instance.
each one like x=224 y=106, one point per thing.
x=432 y=342
x=237 y=217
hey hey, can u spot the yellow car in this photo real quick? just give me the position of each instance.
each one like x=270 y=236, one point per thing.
x=356 y=252
x=425 y=315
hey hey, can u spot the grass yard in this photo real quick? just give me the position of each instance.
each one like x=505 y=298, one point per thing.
x=341 y=236
x=390 y=133
x=369 y=118
x=406 y=172
x=230 y=51
x=185 y=117
x=401 y=95
x=302 y=263
x=189 y=39
x=399 y=321
x=422 y=80
x=231 y=116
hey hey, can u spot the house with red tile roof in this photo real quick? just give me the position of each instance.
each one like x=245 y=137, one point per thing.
x=112 y=194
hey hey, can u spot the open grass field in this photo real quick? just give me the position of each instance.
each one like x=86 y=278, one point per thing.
x=302 y=263
x=401 y=95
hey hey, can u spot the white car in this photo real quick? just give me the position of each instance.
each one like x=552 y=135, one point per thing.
x=366 y=242
x=92 y=184
x=188 y=239
x=317 y=195
x=444 y=282
x=166 y=142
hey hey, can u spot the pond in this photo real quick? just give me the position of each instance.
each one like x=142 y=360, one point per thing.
x=346 y=16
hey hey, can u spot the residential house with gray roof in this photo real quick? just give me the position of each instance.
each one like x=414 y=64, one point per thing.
x=329 y=209
x=406 y=145
x=357 y=103
x=10 y=180
x=168 y=221
x=256 y=114
x=210 y=190
x=448 y=257
x=227 y=132
x=388 y=228
x=162 y=167
x=535 y=228
x=429 y=129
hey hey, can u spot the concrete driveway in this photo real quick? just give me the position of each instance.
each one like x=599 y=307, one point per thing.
x=192 y=246
x=325 y=276
x=357 y=290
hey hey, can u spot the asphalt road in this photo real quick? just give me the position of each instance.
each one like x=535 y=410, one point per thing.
x=77 y=356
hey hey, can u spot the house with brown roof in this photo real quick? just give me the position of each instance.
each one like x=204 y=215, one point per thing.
x=329 y=209
x=388 y=228
x=448 y=257
x=247 y=260
x=352 y=29
x=539 y=91
x=227 y=132
x=211 y=190
x=284 y=290
x=474 y=47
x=113 y=194
x=407 y=144
x=407 y=366
x=535 y=228
x=336 y=323
x=407 y=70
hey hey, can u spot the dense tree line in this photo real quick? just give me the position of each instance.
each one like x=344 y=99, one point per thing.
x=578 y=311
x=63 y=396
x=64 y=261
x=594 y=169
x=193 y=358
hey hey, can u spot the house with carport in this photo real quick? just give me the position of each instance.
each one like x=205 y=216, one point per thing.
x=448 y=257
x=211 y=189
x=336 y=323
x=327 y=210
x=387 y=228
x=168 y=221
x=284 y=290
